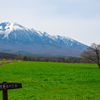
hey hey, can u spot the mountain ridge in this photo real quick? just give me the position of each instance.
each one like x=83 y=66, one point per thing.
x=18 y=38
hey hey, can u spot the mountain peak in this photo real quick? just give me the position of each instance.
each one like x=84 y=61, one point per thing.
x=7 y=27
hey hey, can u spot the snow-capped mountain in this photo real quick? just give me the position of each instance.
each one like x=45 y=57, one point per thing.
x=6 y=28
x=15 y=38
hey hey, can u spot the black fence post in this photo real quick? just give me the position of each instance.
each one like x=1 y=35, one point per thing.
x=5 y=96
x=4 y=91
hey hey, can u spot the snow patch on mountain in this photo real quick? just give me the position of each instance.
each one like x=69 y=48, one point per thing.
x=12 y=27
x=9 y=27
x=39 y=33
x=54 y=37
x=36 y=32
x=0 y=27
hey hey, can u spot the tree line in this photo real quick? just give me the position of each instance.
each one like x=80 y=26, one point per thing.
x=52 y=59
x=7 y=56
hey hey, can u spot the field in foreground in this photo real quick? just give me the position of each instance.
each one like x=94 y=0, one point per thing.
x=52 y=81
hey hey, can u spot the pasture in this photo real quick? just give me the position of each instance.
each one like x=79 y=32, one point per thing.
x=52 y=81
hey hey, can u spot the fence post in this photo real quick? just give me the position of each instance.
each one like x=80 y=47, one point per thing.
x=5 y=96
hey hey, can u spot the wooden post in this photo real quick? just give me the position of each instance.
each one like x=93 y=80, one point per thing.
x=5 y=96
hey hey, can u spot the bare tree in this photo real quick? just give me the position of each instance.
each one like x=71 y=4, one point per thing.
x=93 y=53
x=19 y=56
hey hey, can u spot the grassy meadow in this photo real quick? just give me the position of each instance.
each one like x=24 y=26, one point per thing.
x=52 y=81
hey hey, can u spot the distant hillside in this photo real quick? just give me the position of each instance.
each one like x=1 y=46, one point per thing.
x=7 y=56
x=15 y=38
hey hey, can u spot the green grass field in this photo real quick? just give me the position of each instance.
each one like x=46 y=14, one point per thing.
x=52 y=81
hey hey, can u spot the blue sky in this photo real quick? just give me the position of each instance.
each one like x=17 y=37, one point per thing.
x=77 y=19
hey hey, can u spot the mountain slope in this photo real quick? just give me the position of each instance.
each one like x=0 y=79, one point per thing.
x=15 y=38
